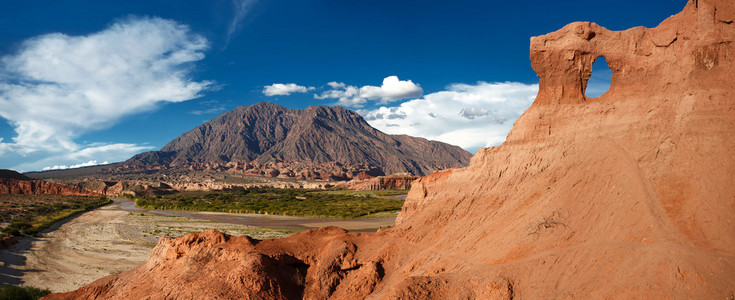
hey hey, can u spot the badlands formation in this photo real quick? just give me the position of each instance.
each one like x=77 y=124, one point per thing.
x=12 y=182
x=628 y=195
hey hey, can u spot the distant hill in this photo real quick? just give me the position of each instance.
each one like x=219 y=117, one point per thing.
x=10 y=174
x=267 y=132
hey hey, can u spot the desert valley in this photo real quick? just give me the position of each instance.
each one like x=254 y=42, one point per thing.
x=626 y=195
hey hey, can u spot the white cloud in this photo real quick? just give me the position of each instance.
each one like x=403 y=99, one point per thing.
x=347 y=95
x=336 y=85
x=284 y=89
x=57 y=87
x=241 y=9
x=470 y=116
x=392 y=89
x=86 y=156
x=473 y=112
x=86 y=164
x=208 y=111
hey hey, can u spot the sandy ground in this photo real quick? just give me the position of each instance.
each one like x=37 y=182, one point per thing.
x=118 y=237
x=98 y=243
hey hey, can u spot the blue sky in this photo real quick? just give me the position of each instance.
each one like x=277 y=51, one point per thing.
x=84 y=82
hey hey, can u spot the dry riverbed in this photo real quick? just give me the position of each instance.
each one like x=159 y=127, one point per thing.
x=98 y=243
x=119 y=237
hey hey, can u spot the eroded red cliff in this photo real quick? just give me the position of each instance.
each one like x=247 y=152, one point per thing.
x=400 y=181
x=39 y=187
x=628 y=195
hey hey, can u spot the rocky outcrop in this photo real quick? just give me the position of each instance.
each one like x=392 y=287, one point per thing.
x=267 y=133
x=309 y=266
x=208 y=185
x=110 y=188
x=628 y=195
x=37 y=187
x=391 y=182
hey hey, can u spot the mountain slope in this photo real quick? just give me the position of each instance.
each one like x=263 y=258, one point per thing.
x=11 y=174
x=267 y=132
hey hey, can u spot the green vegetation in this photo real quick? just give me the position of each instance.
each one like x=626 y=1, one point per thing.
x=290 y=202
x=364 y=193
x=11 y=292
x=29 y=214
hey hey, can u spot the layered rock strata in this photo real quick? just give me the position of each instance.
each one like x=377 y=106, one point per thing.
x=38 y=187
x=391 y=182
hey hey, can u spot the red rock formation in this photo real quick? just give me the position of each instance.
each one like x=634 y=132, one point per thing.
x=391 y=182
x=332 y=171
x=104 y=187
x=628 y=195
x=11 y=186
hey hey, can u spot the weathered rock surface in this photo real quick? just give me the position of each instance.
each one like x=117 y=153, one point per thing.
x=37 y=187
x=628 y=195
x=270 y=133
x=401 y=181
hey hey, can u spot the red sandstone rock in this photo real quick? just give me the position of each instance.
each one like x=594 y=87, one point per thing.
x=628 y=195
x=11 y=186
x=391 y=182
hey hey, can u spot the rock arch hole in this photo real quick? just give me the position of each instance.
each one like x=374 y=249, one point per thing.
x=599 y=81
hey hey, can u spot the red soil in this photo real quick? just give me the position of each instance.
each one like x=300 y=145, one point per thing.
x=40 y=187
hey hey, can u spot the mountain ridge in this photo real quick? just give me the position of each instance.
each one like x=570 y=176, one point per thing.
x=267 y=132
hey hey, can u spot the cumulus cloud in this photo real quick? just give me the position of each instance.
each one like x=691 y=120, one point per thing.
x=470 y=116
x=474 y=112
x=57 y=87
x=82 y=157
x=392 y=89
x=86 y=164
x=284 y=89
x=347 y=95
x=336 y=85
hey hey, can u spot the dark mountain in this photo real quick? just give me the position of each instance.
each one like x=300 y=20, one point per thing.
x=267 y=132
x=10 y=174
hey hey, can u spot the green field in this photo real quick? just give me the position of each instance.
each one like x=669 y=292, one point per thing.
x=291 y=202
x=29 y=214
x=364 y=193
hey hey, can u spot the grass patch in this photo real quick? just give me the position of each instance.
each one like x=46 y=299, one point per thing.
x=384 y=214
x=12 y=292
x=291 y=202
x=364 y=193
x=33 y=213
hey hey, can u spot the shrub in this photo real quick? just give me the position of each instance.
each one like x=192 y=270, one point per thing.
x=11 y=292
